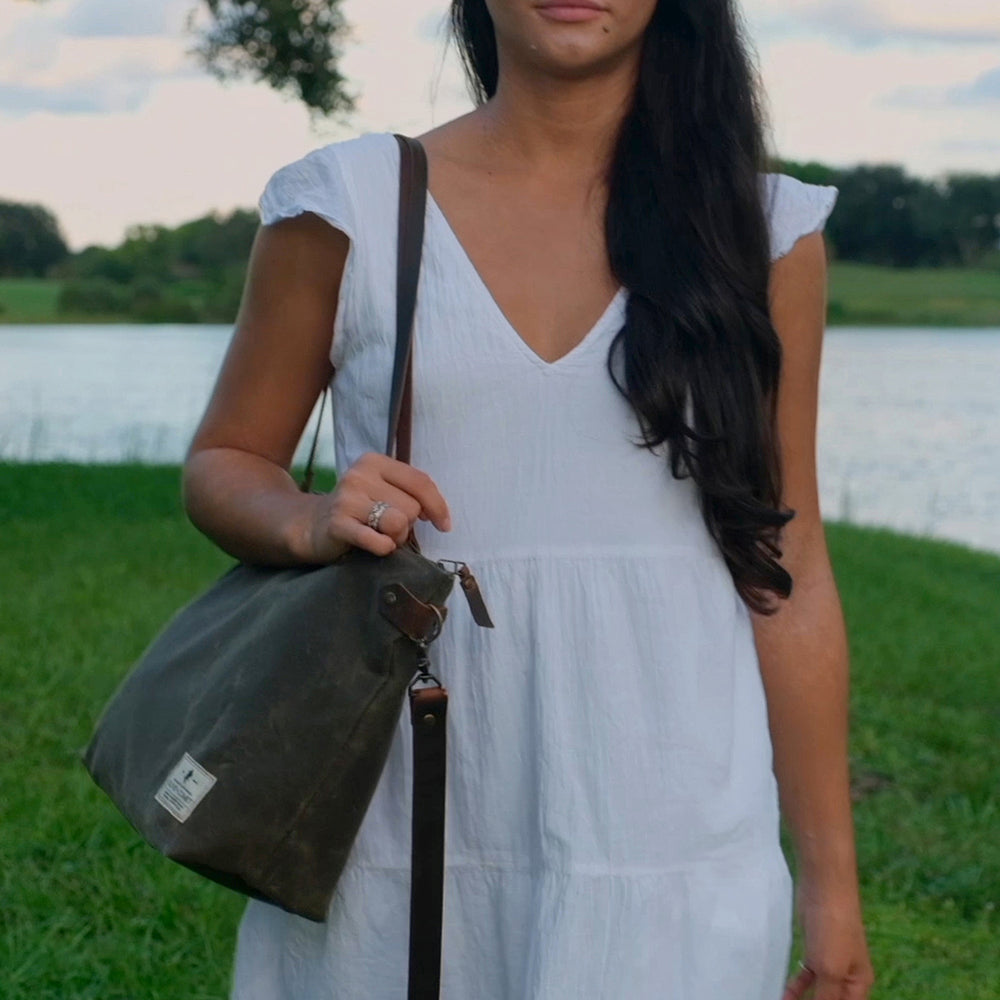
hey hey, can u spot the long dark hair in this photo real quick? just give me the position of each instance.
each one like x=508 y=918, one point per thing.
x=688 y=237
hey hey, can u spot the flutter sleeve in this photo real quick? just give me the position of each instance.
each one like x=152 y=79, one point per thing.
x=313 y=183
x=794 y=209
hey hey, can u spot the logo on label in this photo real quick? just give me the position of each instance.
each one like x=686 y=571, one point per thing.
x=186 y=785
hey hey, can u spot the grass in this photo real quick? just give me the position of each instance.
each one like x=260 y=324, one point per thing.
x=34 y=300
x=860 y=294
x=96 y=558
x=863 y=294
x=28 y=300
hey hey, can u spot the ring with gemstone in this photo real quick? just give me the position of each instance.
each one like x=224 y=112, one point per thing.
x=375 y=514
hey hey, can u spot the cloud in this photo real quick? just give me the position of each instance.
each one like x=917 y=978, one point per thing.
x=92 y=96
x=433 y=26
x=916 y=98
x=89 y=57
x=121 y=88
x=969 y=145
x=983 y=91
x=122 y=18
x=882 y=22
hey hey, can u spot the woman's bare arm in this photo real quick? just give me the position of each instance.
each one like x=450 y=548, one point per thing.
x=237 y=488
x=803 y=649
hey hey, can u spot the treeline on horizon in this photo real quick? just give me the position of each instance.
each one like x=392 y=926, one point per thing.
x=195 y=272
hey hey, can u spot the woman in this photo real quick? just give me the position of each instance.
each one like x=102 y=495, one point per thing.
x=616 y=354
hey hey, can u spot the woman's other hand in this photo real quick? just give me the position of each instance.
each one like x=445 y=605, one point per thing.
x=836 y=964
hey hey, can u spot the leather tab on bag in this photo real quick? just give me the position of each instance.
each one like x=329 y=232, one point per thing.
x=428 y=714
x=420 y=621
x=474 y=596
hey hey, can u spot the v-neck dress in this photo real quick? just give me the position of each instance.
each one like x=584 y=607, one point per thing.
x=612 y=826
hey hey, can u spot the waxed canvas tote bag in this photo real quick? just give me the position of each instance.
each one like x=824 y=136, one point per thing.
x=247 y=741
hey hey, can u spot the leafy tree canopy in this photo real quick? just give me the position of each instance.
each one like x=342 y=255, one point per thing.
x=30 y=240
x=291 y=45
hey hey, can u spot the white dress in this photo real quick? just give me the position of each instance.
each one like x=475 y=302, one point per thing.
x=612 y=816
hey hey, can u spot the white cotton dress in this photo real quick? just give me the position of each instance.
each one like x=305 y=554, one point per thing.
x=612 y=820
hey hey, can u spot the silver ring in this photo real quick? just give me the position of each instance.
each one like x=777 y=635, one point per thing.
x=806 y=967
x=375 y=514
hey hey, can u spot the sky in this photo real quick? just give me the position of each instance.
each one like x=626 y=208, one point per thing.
x=108 y=122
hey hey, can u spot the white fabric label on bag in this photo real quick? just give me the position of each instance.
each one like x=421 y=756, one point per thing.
x=186 y=785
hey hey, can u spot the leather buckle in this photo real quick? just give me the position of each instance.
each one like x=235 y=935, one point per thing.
x=420 y=621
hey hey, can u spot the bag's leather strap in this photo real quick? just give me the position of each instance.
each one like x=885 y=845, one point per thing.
x=412 y=201
x=428 y=714
x=428 y=706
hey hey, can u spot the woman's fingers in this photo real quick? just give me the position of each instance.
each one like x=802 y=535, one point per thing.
x=799 y=984
x=859 y=987
x=828 y=988
x=398 y=501
x=808 y=984
x=352 y=531
x=855 y=984
x=835 y=947
x=410 y=494
x=350 y=522
x=394 y=522
x=419 y=485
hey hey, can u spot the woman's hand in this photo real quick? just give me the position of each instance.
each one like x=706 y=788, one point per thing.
x=836 y=964
x=339 y=519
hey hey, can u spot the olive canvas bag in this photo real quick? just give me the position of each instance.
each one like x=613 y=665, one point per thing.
x=247 y=741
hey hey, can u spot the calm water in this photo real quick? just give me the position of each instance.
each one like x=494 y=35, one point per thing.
x=909 y=424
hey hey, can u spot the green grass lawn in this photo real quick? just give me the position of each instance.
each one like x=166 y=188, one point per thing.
x=28 y=300
x=859 y=294
x=33 y=300
x=866 y=295
x=96 y=558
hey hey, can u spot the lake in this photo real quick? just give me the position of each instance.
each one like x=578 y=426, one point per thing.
x=909 y=423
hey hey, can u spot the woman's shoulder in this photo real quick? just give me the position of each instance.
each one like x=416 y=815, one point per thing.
x=331 y=180
x=794 y=209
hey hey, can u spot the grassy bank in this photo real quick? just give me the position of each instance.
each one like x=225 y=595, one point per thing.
x=29 y=300
x=859 y=294
x=96 y=558
x=865 y=295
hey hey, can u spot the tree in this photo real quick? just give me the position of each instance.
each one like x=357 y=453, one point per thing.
x=212 y=243
x=885 y=216
x=30 y=240
x=291 y=45
x=974 y=212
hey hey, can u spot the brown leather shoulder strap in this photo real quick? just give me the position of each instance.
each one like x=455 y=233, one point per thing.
x=412 y=201
x=428 y=717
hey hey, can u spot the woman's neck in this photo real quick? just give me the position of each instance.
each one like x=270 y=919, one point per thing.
x=547 y=126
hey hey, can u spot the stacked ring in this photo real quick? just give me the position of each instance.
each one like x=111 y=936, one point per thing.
x=375 y=514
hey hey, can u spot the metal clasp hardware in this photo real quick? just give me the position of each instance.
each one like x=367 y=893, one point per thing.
x=470 y=588
x=435 y=628
x=418 y=620
x=423 y=678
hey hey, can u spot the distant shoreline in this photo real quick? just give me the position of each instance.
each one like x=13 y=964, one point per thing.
x=859 y=295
